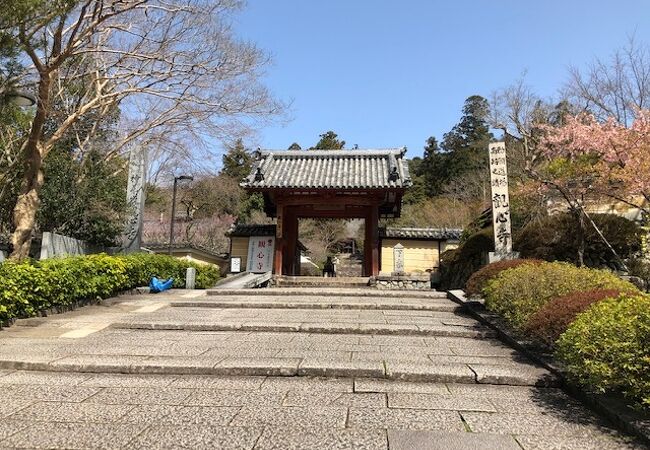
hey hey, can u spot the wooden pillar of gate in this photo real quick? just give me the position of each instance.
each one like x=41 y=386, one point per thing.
x=290 y=237
x=279 y=242
x=371 y=243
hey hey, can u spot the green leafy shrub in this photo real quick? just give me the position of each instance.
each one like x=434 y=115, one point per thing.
x=553 y=319
x=476 y=283
x=607 y=348
x=29 y=287
x=518 y=293
x=555 y=238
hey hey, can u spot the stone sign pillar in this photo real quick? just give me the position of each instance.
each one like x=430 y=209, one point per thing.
x=190 y=278
x=398 y=259
x=135 y=197
x=500 y=203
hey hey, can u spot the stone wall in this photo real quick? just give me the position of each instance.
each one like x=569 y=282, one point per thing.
x=407 y=282
x=58 y=245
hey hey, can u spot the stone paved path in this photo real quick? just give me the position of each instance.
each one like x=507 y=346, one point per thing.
x=366 y=372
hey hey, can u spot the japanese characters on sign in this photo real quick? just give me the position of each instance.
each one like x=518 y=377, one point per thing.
x=260 y=254
x=500 y=199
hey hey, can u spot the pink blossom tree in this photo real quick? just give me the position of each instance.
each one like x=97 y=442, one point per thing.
x=619 y=155
x=590 y=159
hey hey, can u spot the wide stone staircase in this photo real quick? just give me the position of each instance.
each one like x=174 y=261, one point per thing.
x=399 y=335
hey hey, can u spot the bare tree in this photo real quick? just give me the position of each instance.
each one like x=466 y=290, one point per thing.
x=518 y=112
x=173 y=68
x=321 y=235
x=615 y=87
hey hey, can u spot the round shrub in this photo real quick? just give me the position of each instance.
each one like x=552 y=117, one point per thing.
x=476 y=283
x=518 y=293
x=547 y=324
x=607 y=348
x=555 y=238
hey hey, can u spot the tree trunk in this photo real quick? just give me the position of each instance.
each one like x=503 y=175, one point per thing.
x=34 y=153
x=25 y=217
x=582 y=236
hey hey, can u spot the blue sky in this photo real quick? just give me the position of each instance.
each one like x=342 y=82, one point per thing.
x=387 y=74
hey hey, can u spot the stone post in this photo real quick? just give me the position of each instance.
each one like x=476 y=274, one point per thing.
x=500 y=203
x=190 y=278
x=135 y=197
x=398 y=259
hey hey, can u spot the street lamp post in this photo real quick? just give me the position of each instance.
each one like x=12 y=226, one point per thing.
x=171 y=225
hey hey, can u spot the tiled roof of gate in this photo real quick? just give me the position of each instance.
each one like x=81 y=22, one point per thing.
x=422 y=233
x=334 y=169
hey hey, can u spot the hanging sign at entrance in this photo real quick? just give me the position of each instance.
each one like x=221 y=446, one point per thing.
x=500 y=200
x=260 y=254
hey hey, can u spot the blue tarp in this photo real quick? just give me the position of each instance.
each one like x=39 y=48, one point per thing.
x=157 y=285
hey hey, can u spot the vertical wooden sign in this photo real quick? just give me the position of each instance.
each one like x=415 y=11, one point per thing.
x=260 y=254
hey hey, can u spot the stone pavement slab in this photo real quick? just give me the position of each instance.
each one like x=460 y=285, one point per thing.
x=208 y=416
x=347 y=399
x=71 y=412
x=404 y=419
x=141 y=396
x=196 y=437
x=340 y=368
x=512 y=374
x=296 y=417
x=552 y=442
x=235 y=397
x=73 y=435
x=439 y=401
x=432 y=440
x=538 y=424
x=379 y=385
x=436 y=373
x=319 y=439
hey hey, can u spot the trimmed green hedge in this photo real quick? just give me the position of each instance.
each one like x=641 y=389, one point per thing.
x=553 y=319
x=518 y=293
x=607 y=347
x=29 y=287
x=478 y=280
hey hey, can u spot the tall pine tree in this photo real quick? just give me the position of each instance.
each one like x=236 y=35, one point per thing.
x=237 y=162
x=329 y=141
x=463 y=150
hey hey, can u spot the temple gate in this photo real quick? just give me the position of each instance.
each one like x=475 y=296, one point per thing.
x=336 y=184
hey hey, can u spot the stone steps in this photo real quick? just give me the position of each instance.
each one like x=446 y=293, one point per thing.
x=353 y=304
x=326 y=292
x=321 y=327
x=292 y=332
x=345 y=282
x=292 y=367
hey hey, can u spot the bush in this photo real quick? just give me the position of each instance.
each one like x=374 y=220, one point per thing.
x=476 y=283
x=553 y=319
x=29 y=287
x=555 y=239
x=607 y=349
x=518 y=293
